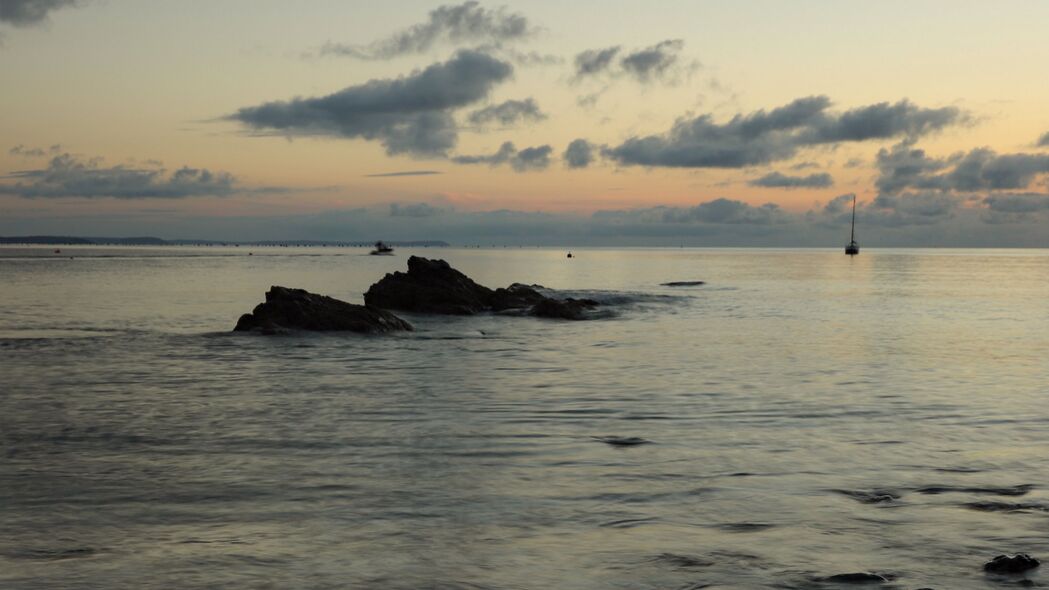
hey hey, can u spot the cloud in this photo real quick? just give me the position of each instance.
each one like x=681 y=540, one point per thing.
x=408 y=115
x=652 y=62
x=527 y=58
x=890 y=211
x=762 y=137
x=981 y=169
x=716 y=211
x=594 y=61
x=68 y=176
x=1017 y=203
x=779 y=180
x=838 y=204
x=508 y=113
x=657 y=62
x=403 y=173
x=416 y=210
x=710 y=223
x=908 y=209
x=528 y=159
x=451 y=23
x=24 y=13
x=1043 y=141
x=579 y=154
x=27 y=152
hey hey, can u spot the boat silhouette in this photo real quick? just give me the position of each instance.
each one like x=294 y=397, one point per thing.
x=853 y=248
x=381 y=249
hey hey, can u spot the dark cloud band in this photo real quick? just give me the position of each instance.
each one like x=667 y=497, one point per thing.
x=525 y=160
x=23 y=13
x=69 y=176
x=466 y=22
x=780 y=180
x=763 y=137
x=508 y=113
x=411 y=114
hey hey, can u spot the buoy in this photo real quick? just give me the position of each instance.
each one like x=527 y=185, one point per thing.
x=569 y=255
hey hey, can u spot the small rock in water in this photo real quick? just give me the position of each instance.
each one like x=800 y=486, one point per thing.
x=622 y=441
x=1011 y=564
x=857 y=578
x=683 y=283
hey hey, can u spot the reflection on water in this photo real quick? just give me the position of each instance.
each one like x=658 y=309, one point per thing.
x=809 y=415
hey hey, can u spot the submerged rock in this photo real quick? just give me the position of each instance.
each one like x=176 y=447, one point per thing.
x=683 y=284
x=296 y=309
x=856 y=578
x=516 y=296
x=622 y=441
x=1011 y=564
x=565 y=309
x=433 y=286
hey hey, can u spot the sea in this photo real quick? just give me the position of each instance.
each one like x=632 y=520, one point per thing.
x=807 y=415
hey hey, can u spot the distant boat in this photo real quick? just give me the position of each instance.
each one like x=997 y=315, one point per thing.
x=853 y=248
x=381 y=249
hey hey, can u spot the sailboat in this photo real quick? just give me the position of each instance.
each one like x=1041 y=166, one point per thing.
x=853 y=248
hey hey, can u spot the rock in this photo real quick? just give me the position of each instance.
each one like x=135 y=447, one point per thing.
x=433 y=286
x=564 y=309
x=857 y=578
x=429 y=286
x=1011 y=564
x=516 y=296
x=296 y=309
x=683 y=283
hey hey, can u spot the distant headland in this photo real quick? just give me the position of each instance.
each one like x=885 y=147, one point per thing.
x=152 y=241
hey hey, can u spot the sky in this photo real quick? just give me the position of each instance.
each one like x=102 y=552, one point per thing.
x=613 y=122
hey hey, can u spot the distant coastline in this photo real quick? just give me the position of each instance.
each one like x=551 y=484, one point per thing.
x=153 y=241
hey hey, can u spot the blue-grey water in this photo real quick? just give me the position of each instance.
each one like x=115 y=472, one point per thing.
x=811 y=415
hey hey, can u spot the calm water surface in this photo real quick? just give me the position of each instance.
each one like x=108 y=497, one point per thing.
x=810 y=415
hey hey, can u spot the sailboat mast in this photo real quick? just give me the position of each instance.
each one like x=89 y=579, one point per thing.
x=852 y=236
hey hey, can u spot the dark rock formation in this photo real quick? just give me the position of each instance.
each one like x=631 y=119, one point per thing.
x=683 y=283
x=433 y=286
x=295 y=309
x=1011 y=564
x=429 y=286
